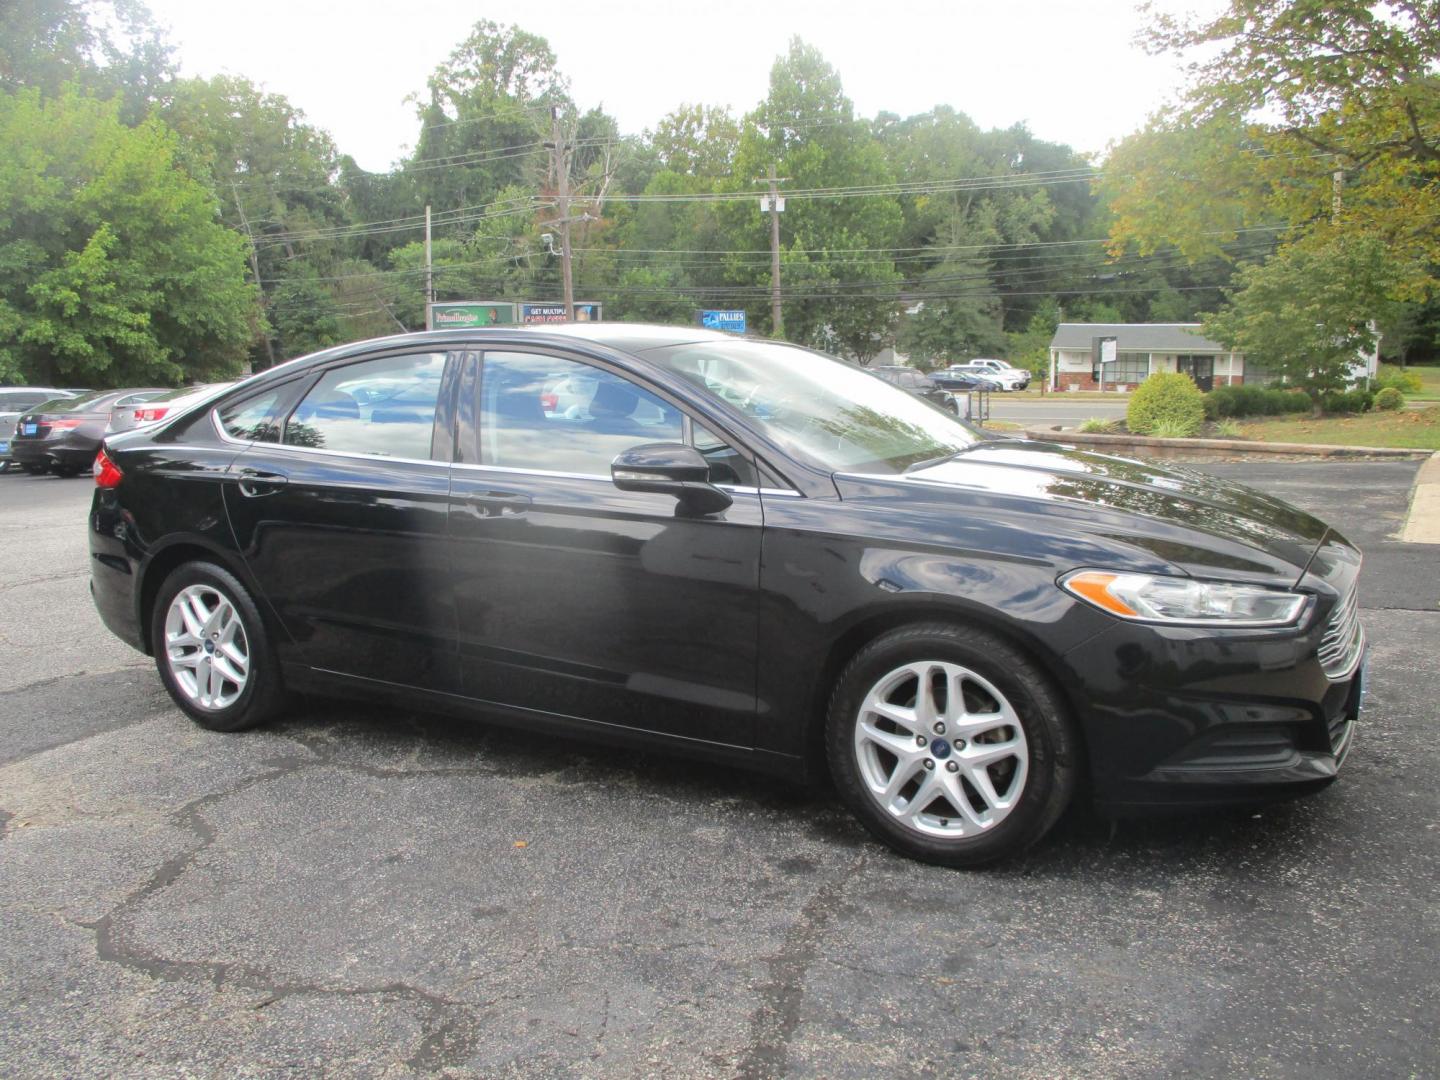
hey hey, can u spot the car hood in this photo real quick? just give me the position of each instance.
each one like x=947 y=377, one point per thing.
x=1181 y=515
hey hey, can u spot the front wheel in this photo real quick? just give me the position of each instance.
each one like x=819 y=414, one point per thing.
x=950 y=745
x=212 y=650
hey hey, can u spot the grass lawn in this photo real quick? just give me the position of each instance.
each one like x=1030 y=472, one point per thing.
x=1430 y=376
x=1417 y=429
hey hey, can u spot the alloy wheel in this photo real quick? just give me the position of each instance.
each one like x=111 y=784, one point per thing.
x=941 y=750
x=206 y=647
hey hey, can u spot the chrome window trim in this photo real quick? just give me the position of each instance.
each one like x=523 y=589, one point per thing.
x=513 y=471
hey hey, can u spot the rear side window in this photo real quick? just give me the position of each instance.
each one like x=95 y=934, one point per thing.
x=385 y=407
x=253 y=419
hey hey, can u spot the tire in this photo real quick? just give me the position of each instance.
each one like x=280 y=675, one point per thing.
x=34 y=469
x=215 y=603
x=65 y=472
x=1009 y=712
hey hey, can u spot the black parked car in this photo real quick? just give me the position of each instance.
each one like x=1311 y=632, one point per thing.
x=959 y=381
x=63 y=436
x=918 y=383
x=739 y=550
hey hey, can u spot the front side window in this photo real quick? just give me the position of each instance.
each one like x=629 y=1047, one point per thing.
x=553 y=415
x=820 y=409
x=727 y=464
x=385 y=407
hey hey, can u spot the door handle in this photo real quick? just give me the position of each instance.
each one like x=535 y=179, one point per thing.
x=495 y=504
x=254 y=483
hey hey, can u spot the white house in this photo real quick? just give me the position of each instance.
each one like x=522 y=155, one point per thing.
x=1142 y=348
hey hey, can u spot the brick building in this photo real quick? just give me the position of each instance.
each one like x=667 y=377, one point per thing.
x=1141 y=348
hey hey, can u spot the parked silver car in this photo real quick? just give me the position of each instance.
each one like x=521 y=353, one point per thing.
x=129 y=417
x=15 y=400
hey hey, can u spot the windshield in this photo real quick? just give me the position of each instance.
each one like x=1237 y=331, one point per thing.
x=822 y=410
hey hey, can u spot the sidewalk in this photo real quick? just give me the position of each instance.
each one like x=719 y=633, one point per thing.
x=1423 y=524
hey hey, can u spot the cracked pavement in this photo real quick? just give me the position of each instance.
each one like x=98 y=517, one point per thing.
x=357 y=892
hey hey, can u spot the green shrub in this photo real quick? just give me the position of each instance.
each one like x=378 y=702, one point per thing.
x=1170 y=398
x=1392 y=376
x=1171 y=428
x=1228 y=429
x=1388 y=398
x=1212 y=407
x=1252 y=400
x=1096 y=425
x=1347 y=401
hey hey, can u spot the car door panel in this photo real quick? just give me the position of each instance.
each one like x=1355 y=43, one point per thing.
x=351 y=549
x=578 y=599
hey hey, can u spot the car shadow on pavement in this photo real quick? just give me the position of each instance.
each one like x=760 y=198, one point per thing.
x=397 y=743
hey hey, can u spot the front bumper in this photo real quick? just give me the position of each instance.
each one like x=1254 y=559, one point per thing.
x=1183 y=719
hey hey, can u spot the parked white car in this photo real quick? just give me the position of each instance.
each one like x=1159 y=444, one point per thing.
x=1009 y=376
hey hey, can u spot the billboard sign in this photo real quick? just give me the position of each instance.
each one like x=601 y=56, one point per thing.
x=730 y=321
x=555 y=313
x=469 y=314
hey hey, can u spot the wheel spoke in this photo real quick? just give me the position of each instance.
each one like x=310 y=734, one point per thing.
x=978 y=755
x=956 y=796
x=899 y=714
x=902 y=746
x=904 y=772
x=983 y=783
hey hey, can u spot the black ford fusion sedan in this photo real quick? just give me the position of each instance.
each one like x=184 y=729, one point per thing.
x=739 y=550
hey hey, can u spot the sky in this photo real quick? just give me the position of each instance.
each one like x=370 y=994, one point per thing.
x=1070 y=71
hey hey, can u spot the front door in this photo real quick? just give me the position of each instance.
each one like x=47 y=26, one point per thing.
x=577 y=599
x=343 y=522
x=1199 y=368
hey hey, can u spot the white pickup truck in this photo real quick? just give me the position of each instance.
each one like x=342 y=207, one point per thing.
x=1009 y=377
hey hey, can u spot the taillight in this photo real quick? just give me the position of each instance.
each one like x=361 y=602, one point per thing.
x=65 y=425
x=107 y=473
x=548 y=402
x=146 y=416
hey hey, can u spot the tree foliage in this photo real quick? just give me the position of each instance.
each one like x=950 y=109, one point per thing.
x=113 y=267
x=1313 y=117
x=1305 y=314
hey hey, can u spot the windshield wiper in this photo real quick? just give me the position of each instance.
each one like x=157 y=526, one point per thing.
x=917 y=466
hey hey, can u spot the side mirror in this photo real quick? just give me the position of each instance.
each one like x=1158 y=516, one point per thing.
x=670 y=469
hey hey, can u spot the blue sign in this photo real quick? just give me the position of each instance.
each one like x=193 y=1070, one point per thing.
x=731 y=321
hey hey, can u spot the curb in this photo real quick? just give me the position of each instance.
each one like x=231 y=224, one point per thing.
x=1238 y=447
x=1422 y=524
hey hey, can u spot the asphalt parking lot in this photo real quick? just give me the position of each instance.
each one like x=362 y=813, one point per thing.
x=364 y=893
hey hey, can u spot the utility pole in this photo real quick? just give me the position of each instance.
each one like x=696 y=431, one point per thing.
x=429 y=271
x=775 y=205
x=560 y=162
x=254 y=269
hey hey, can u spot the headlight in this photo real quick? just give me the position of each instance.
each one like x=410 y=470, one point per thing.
x=1178 y=600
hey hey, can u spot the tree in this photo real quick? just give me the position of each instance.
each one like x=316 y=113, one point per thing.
x=110 y=47
x=1305 y=313
x=113 y=267
x=841 y=287
x=272 y=173
x=1314 y=116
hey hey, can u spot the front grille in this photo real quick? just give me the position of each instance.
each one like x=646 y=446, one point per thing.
x=1344 y=638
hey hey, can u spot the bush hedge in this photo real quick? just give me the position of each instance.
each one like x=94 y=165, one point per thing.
x=1402 y=379
x=1348 y=401
x=1167 y=399
x=1388 y=398
x=1253 y=400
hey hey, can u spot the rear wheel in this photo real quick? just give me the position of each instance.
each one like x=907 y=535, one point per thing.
x=65 y=472
x=212 y=650
x=950 y=745
x=33 y=468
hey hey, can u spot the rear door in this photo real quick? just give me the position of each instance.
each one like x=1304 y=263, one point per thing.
x=342 y=520
x=577 y=599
